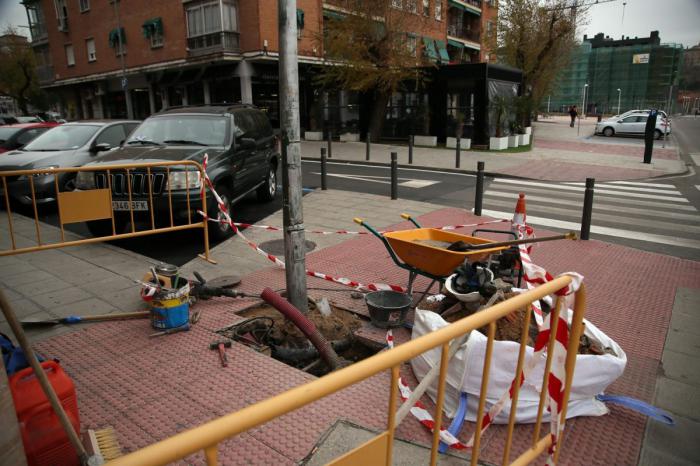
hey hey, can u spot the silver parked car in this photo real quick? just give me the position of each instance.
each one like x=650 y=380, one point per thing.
x=68 y=145
x=632 y=124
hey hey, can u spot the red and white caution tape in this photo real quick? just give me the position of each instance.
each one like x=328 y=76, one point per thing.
x=420 y=412
x=339 y=232
x=342 y=281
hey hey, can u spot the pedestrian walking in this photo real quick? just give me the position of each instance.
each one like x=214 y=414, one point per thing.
x=573 y=113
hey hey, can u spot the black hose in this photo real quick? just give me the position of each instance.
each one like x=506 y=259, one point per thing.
x=303 y=354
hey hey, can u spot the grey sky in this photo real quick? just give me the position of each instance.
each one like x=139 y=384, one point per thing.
x=676 y=20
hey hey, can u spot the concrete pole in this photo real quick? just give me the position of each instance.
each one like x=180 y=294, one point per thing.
x=294 y=240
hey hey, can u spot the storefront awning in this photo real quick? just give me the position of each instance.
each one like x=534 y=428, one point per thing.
x=442 y=50
x=430 y=51
x=114 y=35
x=461 y=6
x=333 y=15
x=152 y=26
x=300 y=18
x=455 y=43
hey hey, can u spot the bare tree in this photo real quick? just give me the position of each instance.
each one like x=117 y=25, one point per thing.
x=18 y=78
x=370 y=49
x=538 y=38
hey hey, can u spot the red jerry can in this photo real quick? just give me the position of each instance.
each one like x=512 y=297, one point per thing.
x=45 y=441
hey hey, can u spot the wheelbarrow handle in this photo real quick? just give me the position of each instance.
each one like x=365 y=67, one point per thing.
x=361 y=222
x=410 y=219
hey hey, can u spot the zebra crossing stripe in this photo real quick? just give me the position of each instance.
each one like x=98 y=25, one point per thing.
x=604 y=231
x=671 y=192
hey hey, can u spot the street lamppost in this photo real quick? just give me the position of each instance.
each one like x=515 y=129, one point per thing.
x=583 y=109
x=619 y=95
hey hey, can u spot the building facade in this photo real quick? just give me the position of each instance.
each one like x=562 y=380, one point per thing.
x=628 y=73
x=128 y=58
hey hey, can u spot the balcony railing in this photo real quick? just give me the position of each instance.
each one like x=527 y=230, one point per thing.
x=461 y=33
x=213 y=43
x=38 y=32
x=45 y=74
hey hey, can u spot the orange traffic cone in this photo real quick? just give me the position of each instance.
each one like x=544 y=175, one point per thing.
x=519 y=216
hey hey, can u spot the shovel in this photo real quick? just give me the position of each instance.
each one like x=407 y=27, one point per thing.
x=82 y=319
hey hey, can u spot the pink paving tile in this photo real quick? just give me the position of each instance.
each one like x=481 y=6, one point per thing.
x=152 y=388
x=552 y=170
x=613 y=149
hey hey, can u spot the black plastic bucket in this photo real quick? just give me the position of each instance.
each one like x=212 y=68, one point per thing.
x=388 y=308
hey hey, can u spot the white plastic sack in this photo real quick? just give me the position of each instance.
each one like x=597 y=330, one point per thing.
x=592 y=375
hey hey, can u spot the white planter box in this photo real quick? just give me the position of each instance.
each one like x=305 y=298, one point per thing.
x=513 y=140
x=498 y=143
x=313 y=135
x=528 y=130
x=350 y=137
x=464 y=143
x=430 y=141
x=524 y=139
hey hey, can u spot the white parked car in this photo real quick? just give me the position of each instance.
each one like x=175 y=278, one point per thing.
x=632 y=124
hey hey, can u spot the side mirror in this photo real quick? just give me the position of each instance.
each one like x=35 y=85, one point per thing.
x=620 y=121
x=248 y=143
x=101 y=147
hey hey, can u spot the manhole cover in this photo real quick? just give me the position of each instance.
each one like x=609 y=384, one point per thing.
x=276 y=247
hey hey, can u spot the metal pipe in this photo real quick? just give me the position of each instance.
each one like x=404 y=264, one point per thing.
x=587 y=209
x=554 y=319
x=324 y=168
x=444 y=362
x=368 y=143
x=410 y=149
x=394 y=176
x=479 y=194
x=458 y=152
x=484 y=387
x=391 y=423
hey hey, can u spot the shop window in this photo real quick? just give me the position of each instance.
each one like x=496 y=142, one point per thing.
x=70 y=55
x=90 y=46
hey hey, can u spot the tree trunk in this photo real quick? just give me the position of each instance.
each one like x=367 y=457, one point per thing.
x=378 y=114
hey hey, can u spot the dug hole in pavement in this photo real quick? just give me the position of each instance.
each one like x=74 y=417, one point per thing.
x=149 y=389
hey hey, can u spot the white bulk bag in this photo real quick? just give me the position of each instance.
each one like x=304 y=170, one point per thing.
x=592 y=375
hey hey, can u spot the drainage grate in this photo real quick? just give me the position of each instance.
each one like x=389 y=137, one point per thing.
x=276 y=247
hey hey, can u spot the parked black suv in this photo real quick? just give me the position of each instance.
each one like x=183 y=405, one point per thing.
x=243 y=157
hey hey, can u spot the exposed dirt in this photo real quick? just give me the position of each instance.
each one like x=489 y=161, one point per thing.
x=339 y=325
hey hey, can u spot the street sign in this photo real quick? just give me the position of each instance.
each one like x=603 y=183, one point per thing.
x=125 y=83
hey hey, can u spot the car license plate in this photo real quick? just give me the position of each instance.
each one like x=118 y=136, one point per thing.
x=136 y=206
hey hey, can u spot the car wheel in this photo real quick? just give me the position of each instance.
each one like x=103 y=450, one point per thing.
x=220 y=230
x=268 y=190
x=658 y=134
x=609 y=131
x=104 y=227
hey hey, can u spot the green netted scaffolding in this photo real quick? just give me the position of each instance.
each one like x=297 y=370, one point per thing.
x=644 y=75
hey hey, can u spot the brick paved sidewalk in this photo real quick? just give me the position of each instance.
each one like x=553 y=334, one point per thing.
x=149 y=390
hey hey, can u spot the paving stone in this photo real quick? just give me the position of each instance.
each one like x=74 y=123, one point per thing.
x=682 y=341
x=24 y=308
x=42 y=286
x=680 y=442
x=68 y=295
x=12 y=269
x=681 y=367
x=112 y=283
x=84 y=307
x=28 y=276
x=678 y=397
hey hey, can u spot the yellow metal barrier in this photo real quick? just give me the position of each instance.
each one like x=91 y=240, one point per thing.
x=379 y=450
x=97 y=204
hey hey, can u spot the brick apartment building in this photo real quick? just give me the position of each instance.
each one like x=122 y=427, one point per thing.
x=174 y=52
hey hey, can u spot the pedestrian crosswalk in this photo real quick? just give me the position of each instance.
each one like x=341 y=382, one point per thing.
x=630 y=210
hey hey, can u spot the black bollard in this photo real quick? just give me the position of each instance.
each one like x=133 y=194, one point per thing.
x=457 y=153
x=324 y=169
x=368 y=142
x=479 y=195
x=330 y=143
x=587 y=209
x=649 y=130
x=410 y=149
x=394 y=176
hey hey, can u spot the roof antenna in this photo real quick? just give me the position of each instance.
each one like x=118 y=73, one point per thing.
x=623 y=13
